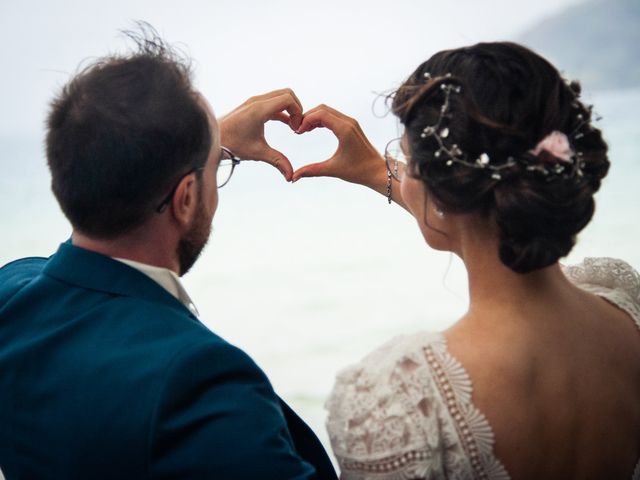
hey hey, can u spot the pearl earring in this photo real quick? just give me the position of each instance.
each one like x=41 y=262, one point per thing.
x=439 y=213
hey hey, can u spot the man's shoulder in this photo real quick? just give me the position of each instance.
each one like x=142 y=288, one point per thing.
x=23 y=266
x=18 y=273
x=173 y=334
x=162 y=328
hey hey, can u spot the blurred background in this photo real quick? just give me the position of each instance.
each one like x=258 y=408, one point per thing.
x=308 y=278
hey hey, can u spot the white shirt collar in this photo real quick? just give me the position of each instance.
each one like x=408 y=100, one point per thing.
x=167 y=279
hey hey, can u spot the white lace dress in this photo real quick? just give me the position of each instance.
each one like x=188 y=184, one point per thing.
x=405 y=411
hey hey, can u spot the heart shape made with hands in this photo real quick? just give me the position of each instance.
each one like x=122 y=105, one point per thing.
x=301 y=149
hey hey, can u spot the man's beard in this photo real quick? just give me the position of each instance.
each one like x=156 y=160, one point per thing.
x=193 y=242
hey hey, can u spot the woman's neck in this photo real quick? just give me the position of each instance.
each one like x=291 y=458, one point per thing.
x=494 y=287
x=492 y=283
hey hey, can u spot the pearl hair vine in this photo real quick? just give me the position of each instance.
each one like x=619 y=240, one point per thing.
x=565 y=163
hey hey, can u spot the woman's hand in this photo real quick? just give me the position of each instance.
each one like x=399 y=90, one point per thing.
x=355 y=160
x=242 y=130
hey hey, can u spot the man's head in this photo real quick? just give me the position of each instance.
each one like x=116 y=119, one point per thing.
x=121 y=134
x=125 y=137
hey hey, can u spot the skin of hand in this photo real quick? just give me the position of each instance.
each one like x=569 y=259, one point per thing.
x=242 y=130
x=355 y=159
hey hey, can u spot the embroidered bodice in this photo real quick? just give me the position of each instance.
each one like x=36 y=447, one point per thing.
x=406 y=411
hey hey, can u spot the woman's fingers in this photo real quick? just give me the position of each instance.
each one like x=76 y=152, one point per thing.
x=355 y=160
x=320 y=117
x=324 y=116
x=320 y=169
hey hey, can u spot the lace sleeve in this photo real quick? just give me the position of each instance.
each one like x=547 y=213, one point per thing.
x=613 y=279
x=382 y=420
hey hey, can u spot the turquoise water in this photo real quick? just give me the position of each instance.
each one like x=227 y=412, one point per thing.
x=309 y=277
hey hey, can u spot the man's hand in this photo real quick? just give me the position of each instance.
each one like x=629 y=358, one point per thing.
x=242 y=130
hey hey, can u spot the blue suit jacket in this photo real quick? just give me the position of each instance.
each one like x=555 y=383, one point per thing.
x=105 y=375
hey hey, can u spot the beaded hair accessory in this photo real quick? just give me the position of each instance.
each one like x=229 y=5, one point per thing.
x=565 y=162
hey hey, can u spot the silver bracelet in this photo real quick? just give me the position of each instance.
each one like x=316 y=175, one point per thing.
x=395 y=173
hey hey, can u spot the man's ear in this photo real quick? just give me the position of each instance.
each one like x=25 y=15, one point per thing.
x=184 y=203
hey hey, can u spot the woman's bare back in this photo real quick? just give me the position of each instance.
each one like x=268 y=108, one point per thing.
x=560 y=386
x=538 y=381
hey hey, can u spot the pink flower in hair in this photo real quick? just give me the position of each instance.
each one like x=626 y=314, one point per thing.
x=557 y=144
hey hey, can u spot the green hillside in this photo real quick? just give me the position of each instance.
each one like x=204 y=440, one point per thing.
x=597 y=41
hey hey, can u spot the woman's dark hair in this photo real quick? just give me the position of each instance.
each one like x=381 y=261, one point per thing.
x=510 y=99
x=121 y=133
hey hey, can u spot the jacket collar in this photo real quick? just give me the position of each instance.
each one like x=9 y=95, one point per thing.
x=90 y=270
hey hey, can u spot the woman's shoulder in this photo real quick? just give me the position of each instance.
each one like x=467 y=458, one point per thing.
x=405 y=411
x=605 y=272
x=391 y=360
x=611 y=278
x=385 y=415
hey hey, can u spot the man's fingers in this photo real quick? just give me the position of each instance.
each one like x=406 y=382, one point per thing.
x=281 y=117
x=284 y=118
x=275 y=93
x=285 y=102
x=293 y=95
x=319 y=169
x=278 y=160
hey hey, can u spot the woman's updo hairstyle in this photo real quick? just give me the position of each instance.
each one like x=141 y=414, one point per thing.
x=510 y=99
